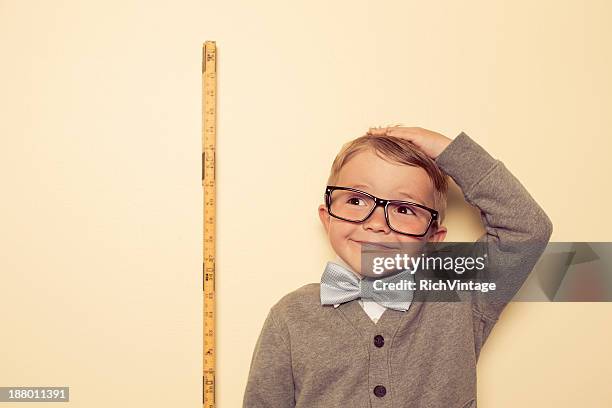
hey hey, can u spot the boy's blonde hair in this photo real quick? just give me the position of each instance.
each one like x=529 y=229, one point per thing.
x=397 y=150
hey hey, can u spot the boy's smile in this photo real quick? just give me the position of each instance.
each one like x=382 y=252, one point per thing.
x=368 y=172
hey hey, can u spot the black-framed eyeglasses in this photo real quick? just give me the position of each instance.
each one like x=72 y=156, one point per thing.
x=404 y=217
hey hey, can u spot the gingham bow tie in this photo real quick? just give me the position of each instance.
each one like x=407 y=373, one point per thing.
x=340 y=285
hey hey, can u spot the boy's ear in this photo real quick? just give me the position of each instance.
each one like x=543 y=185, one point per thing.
x=324 y=216
x=439 y=234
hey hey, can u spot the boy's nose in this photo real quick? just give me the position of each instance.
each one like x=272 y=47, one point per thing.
x=376 y=221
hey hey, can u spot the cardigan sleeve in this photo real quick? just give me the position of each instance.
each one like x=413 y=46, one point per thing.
x=270 y=381
x=516 y=228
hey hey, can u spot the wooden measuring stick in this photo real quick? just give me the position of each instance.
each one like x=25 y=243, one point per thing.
x=209 y=136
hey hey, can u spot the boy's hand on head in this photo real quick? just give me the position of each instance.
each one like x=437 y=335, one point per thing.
x=430 y=142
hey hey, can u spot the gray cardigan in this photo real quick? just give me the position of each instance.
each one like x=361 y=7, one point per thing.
x=314 y=356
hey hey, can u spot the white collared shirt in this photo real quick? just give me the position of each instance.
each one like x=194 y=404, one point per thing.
x=373 y=309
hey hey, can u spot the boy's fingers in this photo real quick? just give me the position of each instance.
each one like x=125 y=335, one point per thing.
x=412 y=133
x=402 y=130
x=377 y=131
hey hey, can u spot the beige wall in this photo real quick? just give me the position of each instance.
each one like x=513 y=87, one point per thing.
x=100 y=164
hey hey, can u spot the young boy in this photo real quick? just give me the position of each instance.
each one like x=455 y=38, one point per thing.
x=317 y=351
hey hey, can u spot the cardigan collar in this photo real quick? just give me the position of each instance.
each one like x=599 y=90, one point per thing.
x=388 y=323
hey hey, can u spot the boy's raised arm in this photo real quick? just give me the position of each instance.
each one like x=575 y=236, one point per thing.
x=517 y=229
x=270 y=381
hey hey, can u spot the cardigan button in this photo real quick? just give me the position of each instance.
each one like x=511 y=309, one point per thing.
x=380 y=391
x=379 y=340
